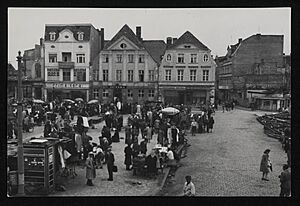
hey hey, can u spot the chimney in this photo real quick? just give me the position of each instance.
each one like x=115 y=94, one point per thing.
x=174 y=39
x=138 y=32
x=240 y=40
x=102 y=39
x=41 y=41
x=169 y=40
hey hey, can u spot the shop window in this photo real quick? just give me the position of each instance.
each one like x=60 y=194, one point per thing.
x=105 y=75
x=66 y=75
x=129 y=93
x=105 y=93
x=141 y=75
x=52 y=58
x=80 y=75
x=266 y=103
x=130 y=75
x=141 y=93
x=151 y=93
x=96 y=93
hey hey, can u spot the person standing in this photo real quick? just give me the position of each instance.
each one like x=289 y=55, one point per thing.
x=210 y=125
x=194 y=127
x=189 y=187
x=143 y=146
x=90 y=169
x=110 y=159
x=285 y=182
x=265 y=165
x=128 y=156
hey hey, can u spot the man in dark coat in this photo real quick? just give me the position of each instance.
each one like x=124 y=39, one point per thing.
x=47 y=129
x=285 y=182
x=128 y=134
x=128 y=156
x=110 y=163
x=143 y=146
x=211 y=122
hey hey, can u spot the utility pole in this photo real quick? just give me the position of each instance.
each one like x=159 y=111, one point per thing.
x=20 y=125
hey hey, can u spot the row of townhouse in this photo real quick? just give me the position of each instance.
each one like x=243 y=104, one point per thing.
x=76 y=61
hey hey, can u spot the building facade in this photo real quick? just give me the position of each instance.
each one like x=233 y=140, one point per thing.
x=127 y=68
x=69 y=53
x=251 y=66
x=187 y=72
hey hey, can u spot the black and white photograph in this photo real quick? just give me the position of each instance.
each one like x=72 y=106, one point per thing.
x=188 y=102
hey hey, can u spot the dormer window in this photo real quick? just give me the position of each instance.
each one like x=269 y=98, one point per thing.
x=169 y=57
x=187 y=46
x=52 y=36
x=80 y=36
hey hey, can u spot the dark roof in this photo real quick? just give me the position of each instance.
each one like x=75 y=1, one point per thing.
x=129 y=34
x=11 y=71
x=86 y=28
x=188 y=37
x=156 y=48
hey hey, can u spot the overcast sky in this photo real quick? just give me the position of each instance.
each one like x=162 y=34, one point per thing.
x=216 y=28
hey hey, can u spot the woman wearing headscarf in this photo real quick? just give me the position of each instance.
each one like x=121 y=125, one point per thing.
x=265 y=165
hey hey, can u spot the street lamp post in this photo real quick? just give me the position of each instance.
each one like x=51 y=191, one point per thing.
x=20 y=125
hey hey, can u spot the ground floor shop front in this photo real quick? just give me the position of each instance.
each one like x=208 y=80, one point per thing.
x=31 y=89
x=62 y=91
x=187 y=95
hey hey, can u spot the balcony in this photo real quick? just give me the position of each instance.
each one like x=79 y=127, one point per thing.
x=66 y=65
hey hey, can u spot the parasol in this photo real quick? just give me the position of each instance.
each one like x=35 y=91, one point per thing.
x=79 y=99
x=38 y=101
x=170 y=111
x=94 y=101
x=68 y=100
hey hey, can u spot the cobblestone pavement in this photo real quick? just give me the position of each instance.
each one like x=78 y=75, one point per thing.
x=226 y=162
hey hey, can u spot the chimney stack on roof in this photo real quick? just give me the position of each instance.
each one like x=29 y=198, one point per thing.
x=240 y=40
x=41 y=41
x=102 y=39
x=138 y=32
x=169 y=40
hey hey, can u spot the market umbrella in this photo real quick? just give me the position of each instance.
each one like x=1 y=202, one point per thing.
x=79 y=99
x=68 y=100
x=38 y=101
x=94 y=101
x=170 y=110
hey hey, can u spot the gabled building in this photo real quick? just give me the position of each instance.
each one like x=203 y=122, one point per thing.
x=128 y=68
x=252 y=67
x=70 y=50
x=187 y=72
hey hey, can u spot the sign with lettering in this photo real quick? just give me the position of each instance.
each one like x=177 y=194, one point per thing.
x=67 y=85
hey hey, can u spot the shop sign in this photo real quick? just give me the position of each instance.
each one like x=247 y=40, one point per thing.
x=67 y=85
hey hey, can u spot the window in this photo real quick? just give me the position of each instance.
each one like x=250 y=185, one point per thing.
x=205 y=58
x=66 y=56
x=130 y=75
x=52 y=36
x=168 y=75
x=141 y=58
x=193 y=75
x=119 y=75
x=53 y=74
x=96 y=75
x=180 y=58
x=66 y=75
x=130 y=58
x=80 y=75
x=52 y=58
x=105 y=75
x=141 y=93
x=129 y=93
x=80 y=58
x=141 y=75
x=151 y=75
x=187 y=46
x=38 y=71
x=105 y=93
x=193 y=58
x=119 y=58
x=151 y=93
x=105 y=58
x=80 y=36
x=180 y=75
x=205 y=75
x=123 y=46
x=169 y=57
x=96 y=93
